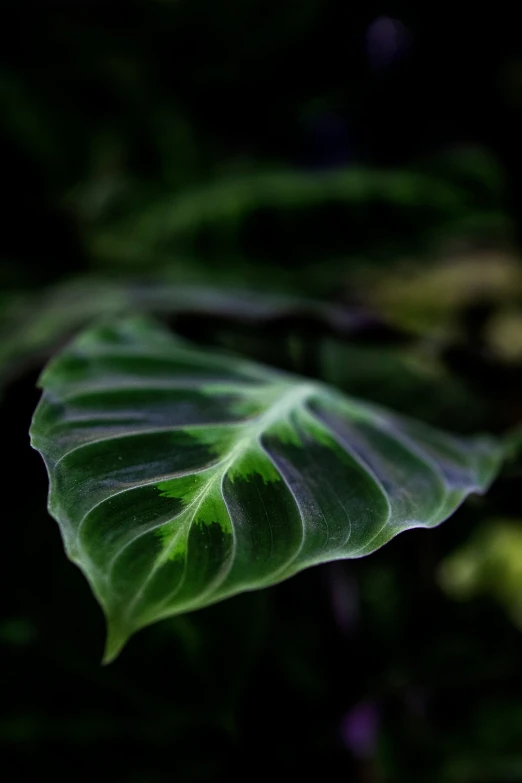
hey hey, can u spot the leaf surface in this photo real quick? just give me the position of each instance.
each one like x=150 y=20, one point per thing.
x=180 y=477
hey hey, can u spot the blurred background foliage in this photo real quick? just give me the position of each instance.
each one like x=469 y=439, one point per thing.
x=332 y=189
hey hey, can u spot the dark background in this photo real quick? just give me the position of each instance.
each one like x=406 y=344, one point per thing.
x=366 y=155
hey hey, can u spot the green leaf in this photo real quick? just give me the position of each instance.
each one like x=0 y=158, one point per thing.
x=180 y=477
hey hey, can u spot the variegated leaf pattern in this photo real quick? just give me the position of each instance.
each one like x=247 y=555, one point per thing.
x=180 y=477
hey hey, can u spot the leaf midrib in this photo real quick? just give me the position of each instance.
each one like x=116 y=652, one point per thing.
x=276 y=411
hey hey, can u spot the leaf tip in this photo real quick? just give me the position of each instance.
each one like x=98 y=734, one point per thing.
x=117 y=638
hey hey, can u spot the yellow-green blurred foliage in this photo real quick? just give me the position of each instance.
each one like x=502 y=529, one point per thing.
x=489 y=564
x=431 y=298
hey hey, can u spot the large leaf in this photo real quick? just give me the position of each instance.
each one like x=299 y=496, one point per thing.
x=180 y=477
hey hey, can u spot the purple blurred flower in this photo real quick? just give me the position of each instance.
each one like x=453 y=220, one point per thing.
x=387 y=40
x=360 y=729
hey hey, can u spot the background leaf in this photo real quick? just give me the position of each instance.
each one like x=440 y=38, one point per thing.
x=180 y=477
